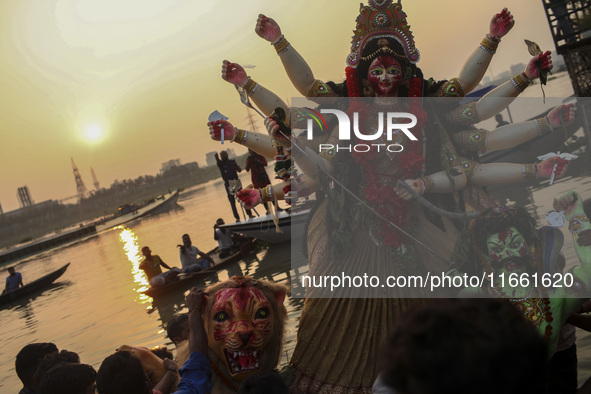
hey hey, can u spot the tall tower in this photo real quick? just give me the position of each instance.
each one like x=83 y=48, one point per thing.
x=24 y=197
x=96 y=183
x=253 y=125
x=80 y=188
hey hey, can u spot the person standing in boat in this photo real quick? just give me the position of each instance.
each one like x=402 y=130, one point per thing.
x=229 y=170
x=256 y=164
x=151 y=266
x=13 y=281
x=188 y=254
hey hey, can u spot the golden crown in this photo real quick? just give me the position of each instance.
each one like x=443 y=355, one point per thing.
x=382 y=19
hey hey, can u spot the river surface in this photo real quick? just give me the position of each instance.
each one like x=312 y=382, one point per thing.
x=97 y=304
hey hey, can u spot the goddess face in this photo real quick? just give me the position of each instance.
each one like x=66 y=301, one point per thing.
x=384 y=76
x=508 y=251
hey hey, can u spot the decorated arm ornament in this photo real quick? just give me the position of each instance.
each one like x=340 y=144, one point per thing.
x=298 y=71
x=496 y=100
x=480 y=140
x=500 y=97
x=264 y=99
x=477 y=64
x=250 y=198
x=514 y=134
x=260 y=143
x=571 y=205
x=495 y=174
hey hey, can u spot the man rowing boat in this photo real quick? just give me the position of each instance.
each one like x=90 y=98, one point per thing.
x=13 y=281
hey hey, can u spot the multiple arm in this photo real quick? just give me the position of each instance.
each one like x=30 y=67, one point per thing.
x=499 y=98
x=514 y=134
x=302 y=77
x=486 y=174
x=493 y=174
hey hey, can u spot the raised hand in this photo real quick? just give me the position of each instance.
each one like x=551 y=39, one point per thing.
x=267 y=28
x=249 y=198
x=196 y=299
x=545 y=59
x=546 y=167
x=234 y=73
x=501 y=23
x=561 y=115
x=215 y=130
x=571 y=203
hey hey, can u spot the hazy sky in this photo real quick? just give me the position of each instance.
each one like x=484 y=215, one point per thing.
x=142 y=76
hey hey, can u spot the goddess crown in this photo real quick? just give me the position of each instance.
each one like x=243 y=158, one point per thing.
x=382 y=19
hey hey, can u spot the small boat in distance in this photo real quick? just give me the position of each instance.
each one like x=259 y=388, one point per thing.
x=37 y=285
x=129 y=212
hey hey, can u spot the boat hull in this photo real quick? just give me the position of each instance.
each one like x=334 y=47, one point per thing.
x=34 y=286
x=263 y=227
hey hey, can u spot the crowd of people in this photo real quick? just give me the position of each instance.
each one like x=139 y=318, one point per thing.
x=43 y=369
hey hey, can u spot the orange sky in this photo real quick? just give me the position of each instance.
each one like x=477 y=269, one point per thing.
x=147 y=74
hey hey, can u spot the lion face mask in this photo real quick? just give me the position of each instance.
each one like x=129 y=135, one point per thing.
x=244 y=322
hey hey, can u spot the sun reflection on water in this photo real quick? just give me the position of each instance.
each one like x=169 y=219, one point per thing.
x=132 y=250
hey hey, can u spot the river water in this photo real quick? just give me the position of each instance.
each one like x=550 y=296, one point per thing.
x=97 y=305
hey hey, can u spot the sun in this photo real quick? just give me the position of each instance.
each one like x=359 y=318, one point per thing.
x=94 y=133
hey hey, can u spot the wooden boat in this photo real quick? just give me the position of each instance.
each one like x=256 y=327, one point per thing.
x=240 y=250
x=263 y=228
x=36 y=285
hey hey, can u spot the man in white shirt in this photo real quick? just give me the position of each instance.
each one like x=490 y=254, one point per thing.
x=224 y=238
x=188 y=254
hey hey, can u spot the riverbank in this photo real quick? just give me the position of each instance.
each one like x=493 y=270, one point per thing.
x=30 y=223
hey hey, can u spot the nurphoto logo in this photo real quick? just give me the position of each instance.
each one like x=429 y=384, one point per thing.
x=396 y=123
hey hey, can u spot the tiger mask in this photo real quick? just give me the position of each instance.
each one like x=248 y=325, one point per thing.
x=245 y=319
